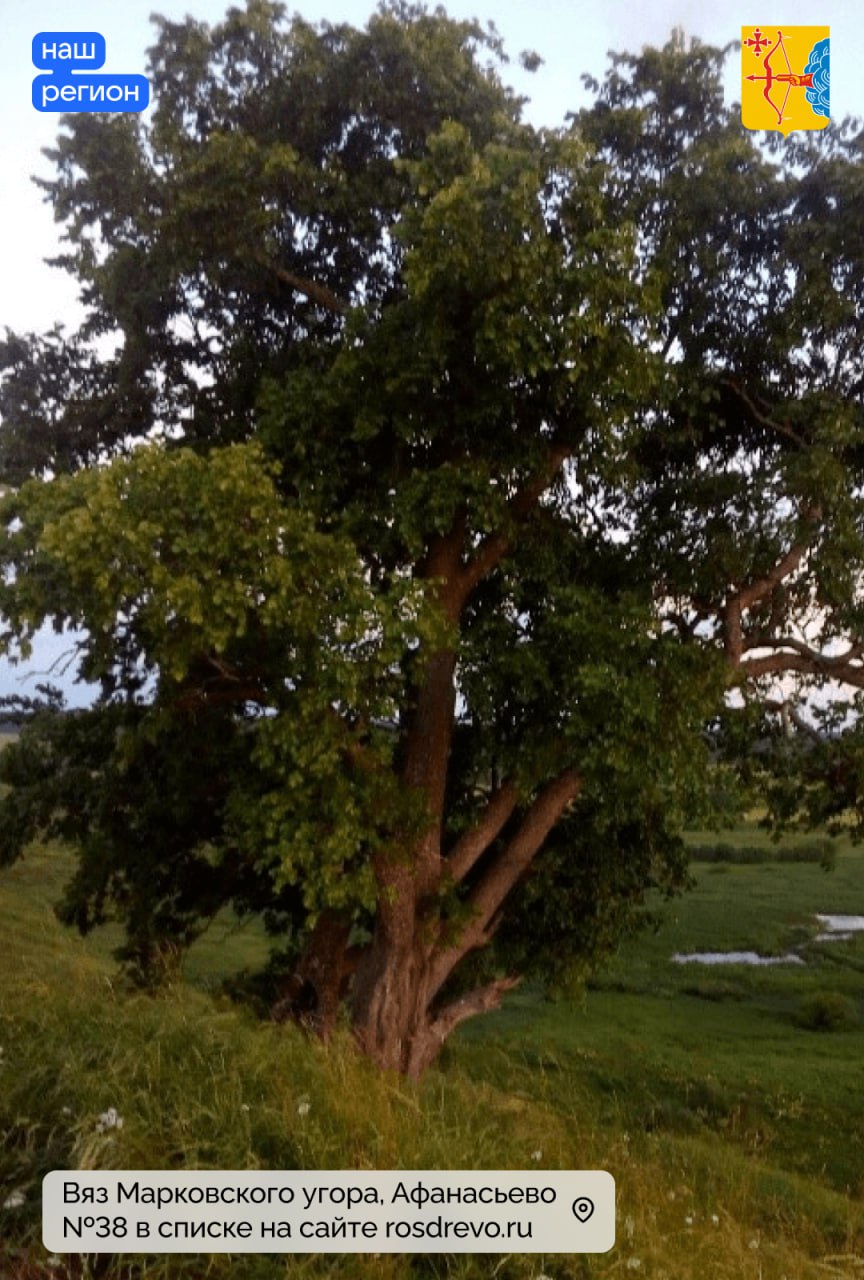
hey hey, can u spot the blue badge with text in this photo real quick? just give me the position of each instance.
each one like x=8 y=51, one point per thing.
x=68 y=54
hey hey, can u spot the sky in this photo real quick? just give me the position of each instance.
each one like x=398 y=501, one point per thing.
x=571 y=36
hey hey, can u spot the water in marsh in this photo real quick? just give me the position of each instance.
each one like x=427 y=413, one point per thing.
x=733 y=957
x=835 y=928
x=839 y=928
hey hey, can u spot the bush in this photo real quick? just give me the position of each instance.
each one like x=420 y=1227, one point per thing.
x=822 y=851
x=827 y=1011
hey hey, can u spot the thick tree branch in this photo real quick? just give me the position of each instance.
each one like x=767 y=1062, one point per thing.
x=491 y=552
x=501 y=877
x=762 y=587
x=442 y=562
x=790 y=715
x=810 y=663
x=472 y=844
x=806 y=650
x=733 y=637
x=519 y=853
x=309 y=288
x=733 y=610
x=761 y=417
x=480 y=1000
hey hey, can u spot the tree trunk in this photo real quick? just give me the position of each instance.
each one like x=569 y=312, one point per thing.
x=399 y=1019
x=397 y=1015
x=397 y=1023
x=315 y=989
x=391 y=1023
x=390 y=995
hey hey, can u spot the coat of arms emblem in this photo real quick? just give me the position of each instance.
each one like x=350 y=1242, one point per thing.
x=785 y=76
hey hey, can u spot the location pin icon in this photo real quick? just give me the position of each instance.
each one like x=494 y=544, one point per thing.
x=583 y=1208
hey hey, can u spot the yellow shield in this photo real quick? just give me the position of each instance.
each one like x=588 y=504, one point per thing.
x=785 y=77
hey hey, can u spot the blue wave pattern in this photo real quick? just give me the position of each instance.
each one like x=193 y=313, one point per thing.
x=819 y=64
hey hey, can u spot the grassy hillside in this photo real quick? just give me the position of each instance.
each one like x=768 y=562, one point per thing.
x=734 y=1132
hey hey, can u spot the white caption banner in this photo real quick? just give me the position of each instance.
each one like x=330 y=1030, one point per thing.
x=329 y=1211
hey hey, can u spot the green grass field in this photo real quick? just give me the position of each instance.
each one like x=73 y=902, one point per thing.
x=734 y=1132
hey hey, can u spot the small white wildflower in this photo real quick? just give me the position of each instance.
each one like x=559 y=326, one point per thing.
x=670 y=1195
x=689 y=1220
x=14 y=1201
x=65 y=1111
x=109 y=1120
x=303 y=1108
x=715 y=1219
x=536 y=1155
x=629 y=1226
x=53 y=1260
x=633 y=1264
x=753 y=1244
x=244 y=1106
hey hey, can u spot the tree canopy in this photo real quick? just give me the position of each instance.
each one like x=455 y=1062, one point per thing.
x=447 y=476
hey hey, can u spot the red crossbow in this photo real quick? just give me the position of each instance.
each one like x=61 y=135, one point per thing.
x=788 y=77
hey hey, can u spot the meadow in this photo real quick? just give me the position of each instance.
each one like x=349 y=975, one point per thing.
x=727 y=1102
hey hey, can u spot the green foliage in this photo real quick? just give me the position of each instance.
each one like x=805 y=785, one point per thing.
x=194 y=573
x=167 y=556
x=754 y=436
x=407 y=386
